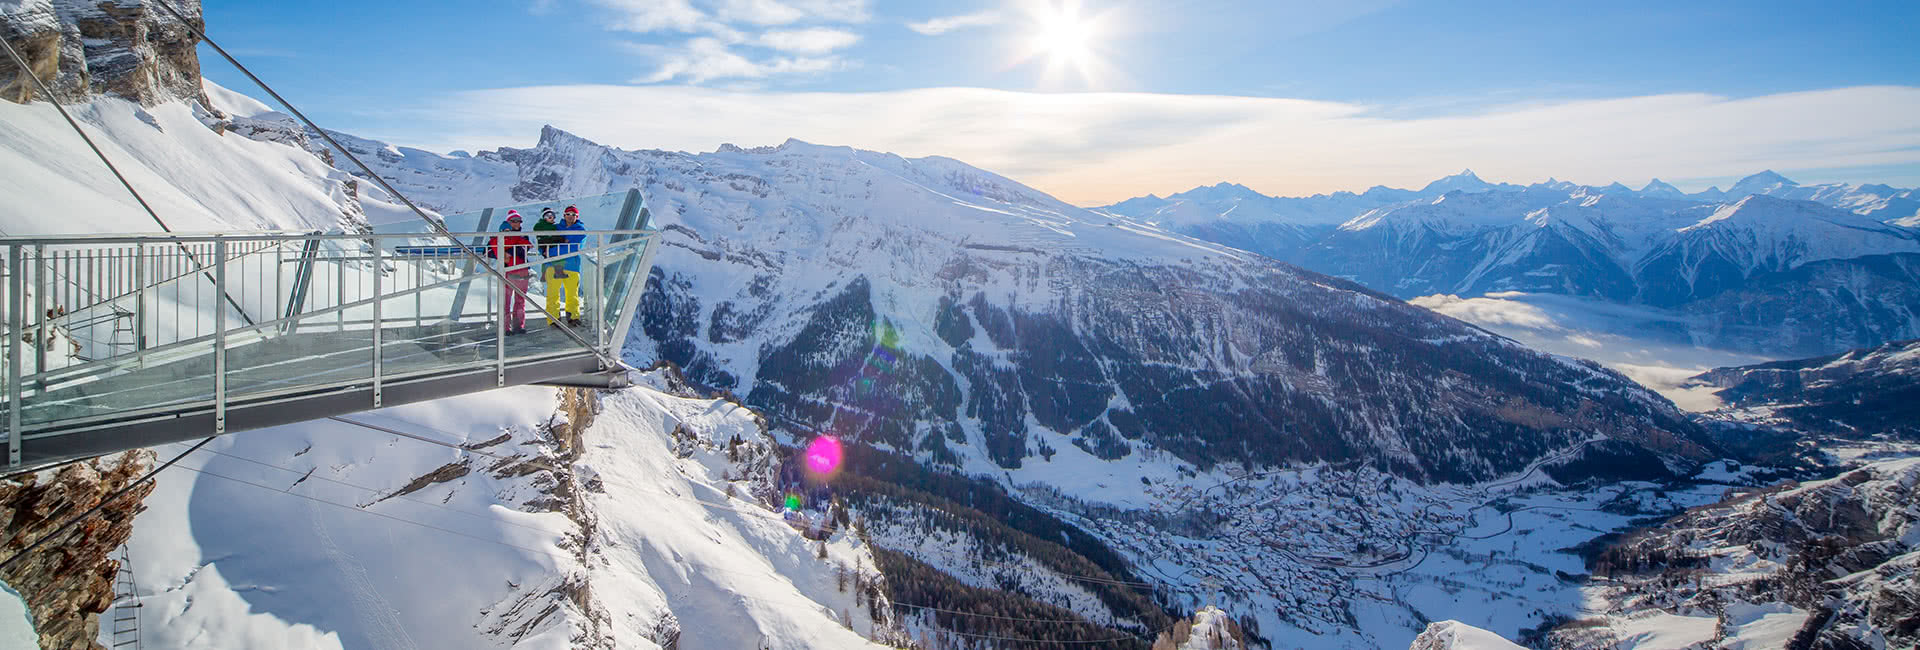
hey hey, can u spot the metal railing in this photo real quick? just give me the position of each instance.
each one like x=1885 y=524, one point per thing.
x=107 y=327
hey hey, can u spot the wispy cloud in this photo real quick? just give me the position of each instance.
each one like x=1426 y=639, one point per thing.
x=786 y=12
x=646 y=16
x=1095 y=148
x=817 y=40
x=721 y=43
x=938 y=26
x=705 y=59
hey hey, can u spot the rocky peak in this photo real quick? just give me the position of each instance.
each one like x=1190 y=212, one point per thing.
x=82 y=48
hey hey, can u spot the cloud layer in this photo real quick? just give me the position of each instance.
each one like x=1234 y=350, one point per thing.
x=1095 y=148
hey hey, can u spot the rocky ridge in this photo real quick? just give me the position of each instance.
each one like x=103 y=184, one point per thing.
x=83 y=48
x=1824 y=564
x=1861 y=394
x=68 y=582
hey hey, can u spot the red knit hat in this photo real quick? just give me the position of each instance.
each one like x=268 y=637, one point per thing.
x=573 y=210
x=513 y=214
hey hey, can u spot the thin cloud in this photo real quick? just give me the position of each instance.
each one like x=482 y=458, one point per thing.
x=1097 y=148
x=817 y=40
x=938 y=26
x=720 y=46
x=645 y=16
x=786 y=12
x=706 y=59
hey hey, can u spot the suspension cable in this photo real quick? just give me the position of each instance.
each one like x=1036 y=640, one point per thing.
x=437 y=227
x=42 y=85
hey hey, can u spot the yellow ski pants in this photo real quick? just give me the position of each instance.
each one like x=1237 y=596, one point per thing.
x=562 y=281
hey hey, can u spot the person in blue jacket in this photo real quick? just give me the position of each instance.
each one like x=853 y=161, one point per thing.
x=563 y=276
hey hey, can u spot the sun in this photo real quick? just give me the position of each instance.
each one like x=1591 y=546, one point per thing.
x=1062 y=35
x=1066 y=40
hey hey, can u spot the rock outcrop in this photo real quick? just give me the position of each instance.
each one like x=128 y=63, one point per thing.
x=81 y=48
x=68 y=582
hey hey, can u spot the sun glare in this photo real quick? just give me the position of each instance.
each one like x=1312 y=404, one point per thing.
x=1063 y=35
x=1066 y=41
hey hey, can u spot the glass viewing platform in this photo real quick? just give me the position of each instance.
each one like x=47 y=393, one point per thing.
x=116 y=342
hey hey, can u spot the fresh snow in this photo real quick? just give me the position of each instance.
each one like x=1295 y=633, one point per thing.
x=16 y=623
x=1455 y=635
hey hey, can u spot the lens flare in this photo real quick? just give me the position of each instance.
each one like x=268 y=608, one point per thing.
x=793 y=501
x=823 y=456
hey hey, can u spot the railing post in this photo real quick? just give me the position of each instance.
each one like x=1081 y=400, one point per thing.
x=599 y=297
x=40 y=290
x=500 y=317
x=377 y=324
x=220 y=338
x=340 y=289
x=16 y=304
x=140 y=300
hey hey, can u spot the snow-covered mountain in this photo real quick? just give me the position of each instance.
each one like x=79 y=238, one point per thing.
x=1064 y=424
x=1865 y=393
x=1822 y=564
x=1093 y=366
x=937 y=309
x=1838 y=264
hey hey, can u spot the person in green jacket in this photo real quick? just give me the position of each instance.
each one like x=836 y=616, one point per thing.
x=546 y=223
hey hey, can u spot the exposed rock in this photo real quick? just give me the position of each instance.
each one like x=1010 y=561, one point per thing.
x=1836 y=558
x=1209 y=629
x=68 y=582
x=82 y=48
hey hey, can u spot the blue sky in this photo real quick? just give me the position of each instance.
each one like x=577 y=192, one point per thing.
x=1402 y=80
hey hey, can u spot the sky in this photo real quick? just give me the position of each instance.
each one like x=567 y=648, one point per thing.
x=1098 y=101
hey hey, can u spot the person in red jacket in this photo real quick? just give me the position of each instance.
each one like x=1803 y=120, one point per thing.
x=511 y=250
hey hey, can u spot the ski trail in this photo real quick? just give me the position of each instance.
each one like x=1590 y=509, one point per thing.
x=383 y=628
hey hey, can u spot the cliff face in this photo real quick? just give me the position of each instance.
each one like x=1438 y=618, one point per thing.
x=81 y=48
x=68 y=582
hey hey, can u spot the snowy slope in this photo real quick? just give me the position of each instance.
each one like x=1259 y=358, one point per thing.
x=1454 y=635
x=634 y=546
x=197 y=179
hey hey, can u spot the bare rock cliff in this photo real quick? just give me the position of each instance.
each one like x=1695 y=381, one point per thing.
x=68 y=581
x=81 y=48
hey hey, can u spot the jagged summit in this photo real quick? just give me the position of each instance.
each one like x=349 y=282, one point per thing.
x=1466 y=180
x=1659 y=189
x=1762 y=183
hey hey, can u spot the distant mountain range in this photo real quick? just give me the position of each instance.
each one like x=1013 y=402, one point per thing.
x=1769 y=267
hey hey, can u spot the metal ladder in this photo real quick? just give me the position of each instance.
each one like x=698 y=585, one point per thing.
x=125 y=621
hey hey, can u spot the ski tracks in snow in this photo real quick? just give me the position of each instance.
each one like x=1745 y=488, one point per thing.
x=382 y=626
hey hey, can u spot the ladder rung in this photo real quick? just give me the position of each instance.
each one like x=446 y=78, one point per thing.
x=116 y=645
x=129 y=618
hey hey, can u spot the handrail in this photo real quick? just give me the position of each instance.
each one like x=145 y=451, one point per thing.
x=644 y=239
x=273 y=235
x=105 y=389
